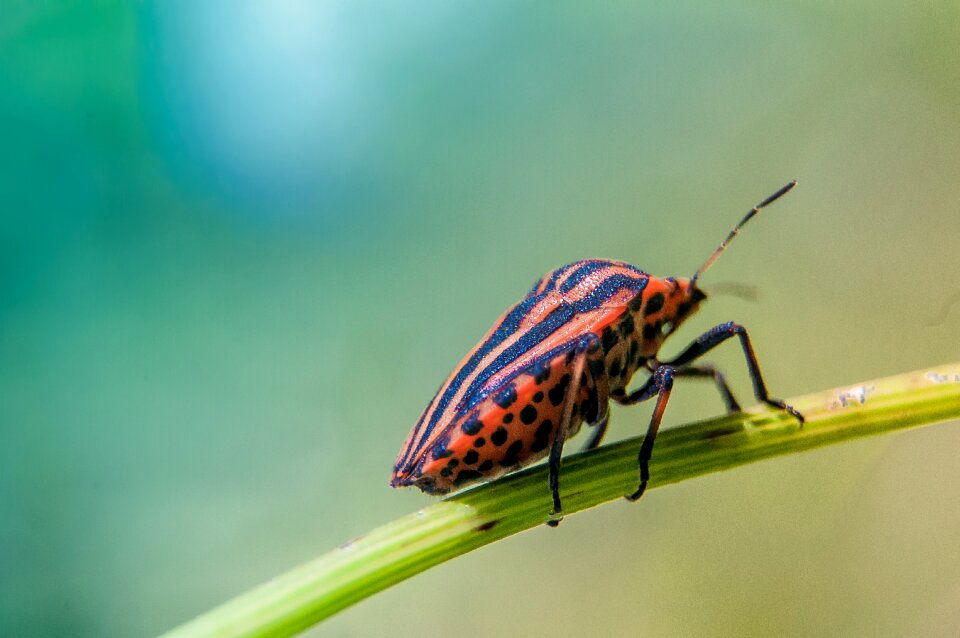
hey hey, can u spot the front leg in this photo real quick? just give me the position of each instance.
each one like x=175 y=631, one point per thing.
x=714 y=338
x=661 y=383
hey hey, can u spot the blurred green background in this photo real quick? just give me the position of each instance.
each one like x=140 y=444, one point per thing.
x=243 y=243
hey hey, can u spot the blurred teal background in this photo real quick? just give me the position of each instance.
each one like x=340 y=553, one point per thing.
x=243 y=243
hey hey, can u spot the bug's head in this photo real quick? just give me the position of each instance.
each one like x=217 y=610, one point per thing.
x=693 y=296
x=682 y=299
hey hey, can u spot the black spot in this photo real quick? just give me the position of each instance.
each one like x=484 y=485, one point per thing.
x=541 y=371
x=615 y=368
x=654 y=304
x=513 y=453
x=507 y=418
x=486 y=466
x=559 y=391
x=466 y=475
x=506 y=397
x=698 y=295
x=609 y=338
x=479 y=442
x=499 y=437
x=541 y=439
x=471 y=457
x=445 y=472
x=472 y=425
x=528 y=414
x=538 y=397
x=634 y=351
x=634 y=304
x=453 y=463
x=683 y=308
x=651 y=330
x=585 y=406
x=570 y=356
x=627 y=326
x=595 y=366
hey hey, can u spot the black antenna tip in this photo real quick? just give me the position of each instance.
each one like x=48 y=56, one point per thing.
x=736 y=229
x=780 y=193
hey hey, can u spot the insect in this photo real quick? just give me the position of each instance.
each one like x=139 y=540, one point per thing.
x=555 y=360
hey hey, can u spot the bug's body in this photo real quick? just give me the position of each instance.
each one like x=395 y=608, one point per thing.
x=553 y=361
x=501 y=407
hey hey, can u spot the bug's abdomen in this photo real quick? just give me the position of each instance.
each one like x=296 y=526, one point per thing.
x=514 y=426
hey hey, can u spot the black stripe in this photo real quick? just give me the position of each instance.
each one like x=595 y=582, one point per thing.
x=561 y=315
x=610 y=286
x=552 y=278
x=582 y=272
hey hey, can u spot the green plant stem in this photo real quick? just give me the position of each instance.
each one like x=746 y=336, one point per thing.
x=407 y=546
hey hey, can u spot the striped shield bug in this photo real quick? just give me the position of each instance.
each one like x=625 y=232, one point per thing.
x=554 y=361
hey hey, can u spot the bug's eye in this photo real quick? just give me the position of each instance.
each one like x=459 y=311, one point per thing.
x=666 y=328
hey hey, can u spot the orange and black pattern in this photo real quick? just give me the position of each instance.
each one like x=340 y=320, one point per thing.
x=501 y=406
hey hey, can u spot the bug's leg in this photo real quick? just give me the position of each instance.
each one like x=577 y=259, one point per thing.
x=707 y=370
x=599 y=429
x=555 y=451
x=644 y=392
x=713 y=338
x=601 y=400
x=661 y=383
x=588 y=347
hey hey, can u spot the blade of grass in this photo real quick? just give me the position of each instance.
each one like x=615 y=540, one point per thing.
x=407 y=546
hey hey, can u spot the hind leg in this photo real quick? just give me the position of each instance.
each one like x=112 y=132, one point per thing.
x=588 y=350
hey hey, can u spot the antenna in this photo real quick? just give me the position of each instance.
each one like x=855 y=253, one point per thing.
x=736 y=230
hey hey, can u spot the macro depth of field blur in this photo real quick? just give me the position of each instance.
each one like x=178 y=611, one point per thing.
x=242 y=244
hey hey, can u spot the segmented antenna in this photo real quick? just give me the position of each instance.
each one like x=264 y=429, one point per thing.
x=736 y=230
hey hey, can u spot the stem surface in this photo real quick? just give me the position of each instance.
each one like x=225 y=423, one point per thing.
x=409 y=545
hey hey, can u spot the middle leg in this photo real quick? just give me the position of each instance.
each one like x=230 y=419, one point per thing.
x=707 y=370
